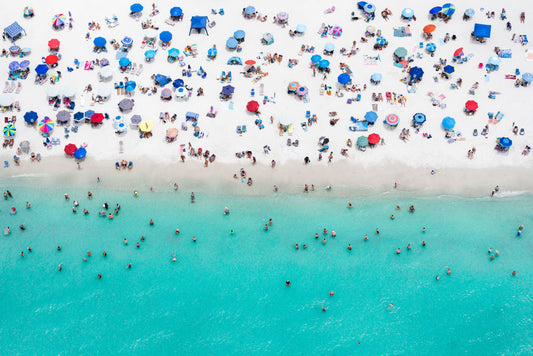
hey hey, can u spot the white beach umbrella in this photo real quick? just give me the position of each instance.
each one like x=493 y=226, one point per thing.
x=181 y=92
x=104 y=91
x=6 y=100
x=52 y=91
x=150 y=33
x=69 y=91
x=106 y=72
x=285 y=119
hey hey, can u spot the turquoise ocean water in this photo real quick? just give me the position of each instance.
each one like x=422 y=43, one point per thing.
x=226 y=294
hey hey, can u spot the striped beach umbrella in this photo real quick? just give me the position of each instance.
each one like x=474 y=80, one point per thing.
x=9 y=130
x=46 y=125
x=448 y=9
x=431 y=47
x=337 y=31
x=381 y=40
x=419 y=118
x=166 y=93
x=59 y=20
x=301 y=91
x=28 y=11
x=392 y=120
x=293 y=86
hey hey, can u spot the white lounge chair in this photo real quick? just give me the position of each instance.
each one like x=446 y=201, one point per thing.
x=112 y=21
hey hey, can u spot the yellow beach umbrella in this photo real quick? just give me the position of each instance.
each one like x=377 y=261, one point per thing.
x=146 y=126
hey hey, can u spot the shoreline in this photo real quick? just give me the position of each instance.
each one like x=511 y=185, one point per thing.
x=345 y=178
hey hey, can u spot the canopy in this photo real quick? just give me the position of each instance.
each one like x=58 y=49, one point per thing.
x=165 y=36
x=344 y=78
x=53 y=43
x=494 y=60
x=135 y=8
x=106 y=72
x=336 y=31
x=9 y=130
x=235 y=61
x=173 y=52
x=127 y=41
x=52 y=91
x=63 y=116
x=6 y=100
x=376 y=77
x=431 y=47
x=448 y=123
x=481 y=30
x=68 y=91
x=14 y=66
x=51 y=59
x=126 y=104
x=293 y=86
x=381 y=40
x=136 y=119
x=30 y=117
x=70 y=149
x=252 y=106
x=232 y=43
x=408 y=13
x=419 y=118
x=172 y=132
x=282 y=16
x=392 y=120
x=435 y=10
x=458 y=52
x=178 y=83
x=161 y=79
x=449 y=69
x=315 y=58
x=505 y=142
x=429 y=28
x=99 y=42
x=46 y=125
x=400 y=52
x=199 y=22
x=176 y=11
x=131 y=85
x=329 y=47
x=14 y=30
x=362 y=141
x=324 y=63
x=370 y=8
x=371 y=116
x=97 y=118
x=373 y=139
x=471 y=105
x=150 y=53
x=41 y=69
x=166 y=93
x=527 y=77
x=228 y=90
x=301 y=91
x=249 y=10
x=80 y=153
x=239 y=34
x=124 y=62
x=146 y=126
x=448 y=9
x=469 y=12
x=301 y=28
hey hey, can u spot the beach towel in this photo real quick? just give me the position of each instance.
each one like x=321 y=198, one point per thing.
x=87 y=65
x=442 y=96
x=510 y=76
x=487 y=78
x=529 y=55
x=441 y=41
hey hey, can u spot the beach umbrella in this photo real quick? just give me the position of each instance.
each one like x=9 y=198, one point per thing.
x=419 y=118
x=250 y=62
x=324 y=63
x=161 y=79
x=131 y=85
x=24 y=144
x=293 y=86
x=370 y=8
x=51 y=59
x=371 y=117
x=106 y=72
x=80 y=153
x=376 y=77
x=126 y=104
x=89 y=113
x=408 y=13
x=165 y=36
x=285 y=119
x=70 y=149
x=181 y=92
x=239 y=34
x=63 y=116
x=381 y=40
x=469 y=12
x=99 y=42
x=435 y=10
x=449 y=69
x=301 y=28
x=337 y=31
x=68 y=91
x=59 y=20
x=329 y=47
x=97 y=118
x=373 y=139
x=127 y=41
x=505 y=142
x=212 y=52
x=124 y=62
x=172 y=132
x=527 y=77
x=458 y=52
x=315 y=58
x=53 y=43
x=361 y=4
x=301 y=91
x=344 y=78
x=232 y=43
x=78 y=116
x=150 y=33
x=448 y=123
x=249 y=10
x=9 y=130
x=228 y=90
x=104 y=91
x=234 y=61
x=362 y=141
x=14 y=49
x=136 y=119
x=150 y=53
x=30 y=117
x=429 y=28
x=400 y=52
x=24 y=64
x=117 y=120
x=392 y=120
x=282 y=16
x=252 y=106
x=52 y=91
x=28 y=11
x=14 y=66
x=471 y=105
x=104 y=62
x=176 y=11
x=146 y=126
x=431 y=47
x=46 y=125
x=448 y=9
x=166 y=93
x=121 y=127
x=494 y=60
x=178 y=83
x=173 y=52
x=135 y=8
x=6 y=100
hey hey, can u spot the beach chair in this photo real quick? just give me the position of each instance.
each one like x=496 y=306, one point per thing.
x=6 y=164
x=243 y=128
x=112 y=21
x=239 y=129
x=290 y=130
x=170 y=22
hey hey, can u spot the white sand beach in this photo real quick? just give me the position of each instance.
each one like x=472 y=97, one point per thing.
x=158 y=162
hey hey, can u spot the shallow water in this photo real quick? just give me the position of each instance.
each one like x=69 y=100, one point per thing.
x=227 y=293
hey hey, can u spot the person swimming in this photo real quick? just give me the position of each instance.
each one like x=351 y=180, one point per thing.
x=392 y=217
x=287 y=283
x=194 y=238
x=266 y=227
x=349 y=247
x=59 y=268
x=296 y=247
x=408 y=247
x=192 y=197
x=28 y=205
x=424 y=243
x=177 y=231
x=325 y=231
x=412 y=209
x=333 y=234
x=99 y=276
x=174 y=257
x=128 y=266
x=104 y=253
x=135 y=193
x=85 y=211
x=151 y=222
x=350 y=205
x=138 y=244
x=76 y=203
x=270 y=222
x=226 y=211
x=316 y=235
x=324 y=240
x=125 y=241
x=59 y=248
x=398 y=251
x=366 y=237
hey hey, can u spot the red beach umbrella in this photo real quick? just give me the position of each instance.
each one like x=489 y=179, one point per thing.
x=471 y=105
x=51 y=59
x=97 y=118
x=458 y=52
x=53 y=43
x=252 y=106
x=70 y=149
x=373 y=139
x=429 y=28
x=250 y=62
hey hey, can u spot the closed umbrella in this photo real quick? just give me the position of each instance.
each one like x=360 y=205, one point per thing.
x=30 y=117
x=80 y=153
x=344 y=78
x=172 y=132
x=471 y=105
x=362 y=141
x=448 y=123
x=252 y=106
x=9 y=130
x=146 y=126
x=373 y=139
x=70 y=149
x=419 y=118
x=429 y=28
x=371 y=117
x=392 y=120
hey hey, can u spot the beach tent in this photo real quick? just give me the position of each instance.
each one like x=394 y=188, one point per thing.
x=481 y=30
x=371 y=117
x=344 y=78
x=14 y=31
x=199 y=23
x=30 y=117
x=448 y=123
x=235 y=61
x=189 y=115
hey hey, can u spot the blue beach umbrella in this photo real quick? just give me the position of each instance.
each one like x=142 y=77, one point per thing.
x=416 y=72
x=408 y=13
x=78 y=116
x=329 y=47
x=371 y=116
x=249 y=10
x=161 y=79
x=9 y=130
x=165 y=36
x=469 y=12
x=448 y=9
x=211 y=52
x=228 y=90
x=232 y=43
x=370 y=8
x=419 y=118
x=381 y=40
x=324 y=63
x=99 y=42
x=376 y=77
x=448 y=123
x=41 y=69
x=24 y=64
x=31 y=117
x=494 y=60
x=80 y=153
x=435 y=10
x=178 y=83
x=89 y=113
x=124 y=62
x=127 y=41
x=315 y=58
x=431 y=47
x=361 y=4
x=150 y=53
x=505 y=142
x=527 y=77
x=449 y=69
x=136 y=8
x=301 y=28
x=130 y=86
x=14 y=66
x=400 y=52
x=173 y=52
x=344 y=78
x=176 y=11
x=239 y=34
